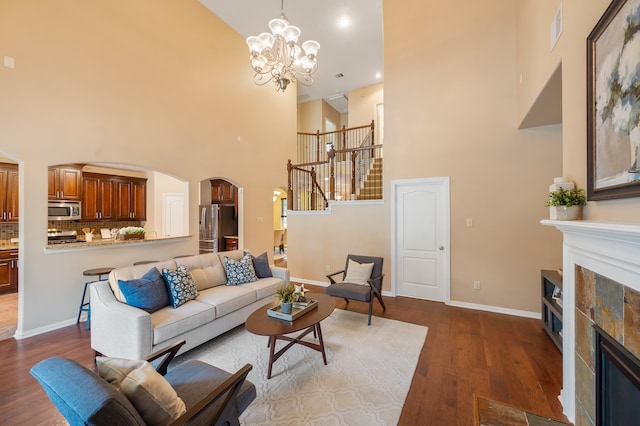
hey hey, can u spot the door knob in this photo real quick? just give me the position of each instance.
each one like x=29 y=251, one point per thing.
x=441 y=248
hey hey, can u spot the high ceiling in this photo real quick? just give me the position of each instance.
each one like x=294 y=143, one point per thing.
x=354 y=51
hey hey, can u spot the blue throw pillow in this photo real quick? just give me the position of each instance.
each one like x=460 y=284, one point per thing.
x=180 y=284
x=239 y=272
x=148 y=293
x=261 y=265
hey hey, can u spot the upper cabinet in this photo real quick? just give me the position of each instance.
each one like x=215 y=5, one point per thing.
x=99 y=196
x=222 y=192
x=65 y=183
x=131 y=198
x=8 y=192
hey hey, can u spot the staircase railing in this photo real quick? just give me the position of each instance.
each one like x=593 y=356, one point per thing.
x=335 y=174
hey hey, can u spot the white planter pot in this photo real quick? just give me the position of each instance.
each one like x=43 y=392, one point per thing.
x=565 y=213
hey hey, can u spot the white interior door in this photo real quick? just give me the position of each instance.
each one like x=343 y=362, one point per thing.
x=421 y=238
x=173 y=221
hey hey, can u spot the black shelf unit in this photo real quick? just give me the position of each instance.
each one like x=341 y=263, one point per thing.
x=551 y=308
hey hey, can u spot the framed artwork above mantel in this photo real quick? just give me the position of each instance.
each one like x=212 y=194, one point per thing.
x=613 y=103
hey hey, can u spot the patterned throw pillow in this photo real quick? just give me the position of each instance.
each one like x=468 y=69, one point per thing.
x=239 y=272
x=180 y=284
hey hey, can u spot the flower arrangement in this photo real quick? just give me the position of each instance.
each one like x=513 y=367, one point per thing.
x=136 y=230
x=285 y=293
x=131 y=233
x=566 y=197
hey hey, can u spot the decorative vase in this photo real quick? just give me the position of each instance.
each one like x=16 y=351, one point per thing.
x=565 y=213
x=286 y=308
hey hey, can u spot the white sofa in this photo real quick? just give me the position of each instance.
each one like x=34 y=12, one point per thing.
x=121 y=330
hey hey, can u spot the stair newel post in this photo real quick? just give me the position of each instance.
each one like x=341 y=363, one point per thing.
x=332 y=175
x=354 y=155
x=313 y=188
x=317 y=145
x=292 y=205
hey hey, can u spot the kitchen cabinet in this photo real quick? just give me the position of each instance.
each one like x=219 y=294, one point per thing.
x=65 y=182
x=8 y=271
x=8 y=192
x=222 y=192
x=131 y=198
x=99 y=196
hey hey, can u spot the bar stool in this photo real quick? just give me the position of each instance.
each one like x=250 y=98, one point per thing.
x=85 y=306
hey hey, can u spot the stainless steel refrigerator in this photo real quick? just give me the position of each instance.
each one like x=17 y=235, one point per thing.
x=216 y=222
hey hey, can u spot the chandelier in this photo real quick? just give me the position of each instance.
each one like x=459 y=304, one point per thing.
x=278 y=57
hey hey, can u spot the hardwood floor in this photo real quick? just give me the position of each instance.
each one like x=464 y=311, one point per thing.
x=500 y=357
x=8 y=315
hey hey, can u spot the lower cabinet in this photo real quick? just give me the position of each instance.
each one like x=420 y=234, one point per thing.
x=8 y=272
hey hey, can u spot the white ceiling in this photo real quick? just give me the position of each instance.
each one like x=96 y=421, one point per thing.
x=355 y=51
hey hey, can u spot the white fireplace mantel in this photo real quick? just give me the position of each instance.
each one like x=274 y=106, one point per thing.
x=611 y=249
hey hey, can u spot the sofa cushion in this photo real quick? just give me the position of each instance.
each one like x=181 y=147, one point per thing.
x=261 y=265
x=181 y=286
x=148 y=292
x=169 y=322
x=265 y=287
x=227 y=299
x=239 y=272
x=134 y=272
x=154 y=398
x=206 y=269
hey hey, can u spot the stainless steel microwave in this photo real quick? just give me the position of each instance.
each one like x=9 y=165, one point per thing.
x=64 y=210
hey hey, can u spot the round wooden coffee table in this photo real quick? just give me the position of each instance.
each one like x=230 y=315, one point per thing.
x=276 y=329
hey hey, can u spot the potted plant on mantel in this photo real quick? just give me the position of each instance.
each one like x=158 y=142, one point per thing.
x=284 y=295
x=566 y=204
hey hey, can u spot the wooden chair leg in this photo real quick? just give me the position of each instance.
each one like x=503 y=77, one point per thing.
x=379 y=297
x=370 y=310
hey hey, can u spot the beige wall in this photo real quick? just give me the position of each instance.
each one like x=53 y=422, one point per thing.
x=450 y=110
x=162 y=86
x=536 y=62
x=453 y=114
x=310 y=116
x=362 y=104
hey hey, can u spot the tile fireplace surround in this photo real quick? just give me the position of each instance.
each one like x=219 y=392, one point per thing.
x=611 y=251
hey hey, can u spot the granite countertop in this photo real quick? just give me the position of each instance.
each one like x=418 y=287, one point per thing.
x=98 y=242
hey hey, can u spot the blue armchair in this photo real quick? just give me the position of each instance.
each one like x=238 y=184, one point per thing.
x=212 y=396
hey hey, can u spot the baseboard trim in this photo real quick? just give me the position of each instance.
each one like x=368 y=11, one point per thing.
x=312 y=282
x=19 y=335
x=495 y=309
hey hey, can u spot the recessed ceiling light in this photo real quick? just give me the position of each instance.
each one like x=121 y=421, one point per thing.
x=378 y=75
x=344 y=22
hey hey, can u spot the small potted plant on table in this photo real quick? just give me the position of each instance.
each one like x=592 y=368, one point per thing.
x=566 y=204
x=284 y=295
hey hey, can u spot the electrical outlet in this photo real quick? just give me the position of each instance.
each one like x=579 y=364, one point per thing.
x=328 y=268
x=476 y=285
x=469 y=222
x=259 y=219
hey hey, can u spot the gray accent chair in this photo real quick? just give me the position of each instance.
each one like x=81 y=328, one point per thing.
x=212 y=396
x=362 y=293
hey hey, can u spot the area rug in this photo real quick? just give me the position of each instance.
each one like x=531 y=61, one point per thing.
x=365 y=382
x=494 y=413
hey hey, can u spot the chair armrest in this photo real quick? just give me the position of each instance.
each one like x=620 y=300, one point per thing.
x=332 y=274
x=230 y=387
x=170 y=352
x=117 y=329
x=371 y=280
x=280 y=272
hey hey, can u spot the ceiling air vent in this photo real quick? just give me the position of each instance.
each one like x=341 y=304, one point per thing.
x=339 y=75
x=339 y=102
